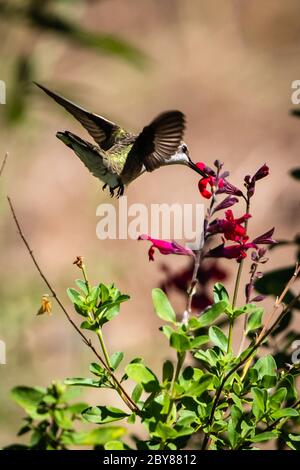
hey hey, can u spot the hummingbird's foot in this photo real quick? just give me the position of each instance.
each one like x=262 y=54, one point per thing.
x=120 y=191
x=104 y=186
x=112 y=192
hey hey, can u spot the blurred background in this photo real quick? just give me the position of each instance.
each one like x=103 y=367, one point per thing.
x=227 y=65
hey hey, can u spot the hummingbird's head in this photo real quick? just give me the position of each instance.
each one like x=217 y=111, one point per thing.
x=182 y=157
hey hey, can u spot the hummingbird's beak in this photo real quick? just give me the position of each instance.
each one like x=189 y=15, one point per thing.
x=195 y=168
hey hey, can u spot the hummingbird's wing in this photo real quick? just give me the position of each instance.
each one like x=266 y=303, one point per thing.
x=157 y=142
x=102 y=130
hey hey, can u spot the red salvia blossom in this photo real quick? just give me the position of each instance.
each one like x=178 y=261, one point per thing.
x=210 y=180
x=218 y=185
x=239 y=251
x=230 y=227
x=262 y=172
x=165 y=247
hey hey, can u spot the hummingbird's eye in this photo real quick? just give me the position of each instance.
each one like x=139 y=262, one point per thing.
x=184 y=148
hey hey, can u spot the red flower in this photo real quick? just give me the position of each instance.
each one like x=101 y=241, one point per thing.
x=165 y=248
x=230 y=227
x=266 y=238
x=261 y=173
x=237 y=252
x=210 y=180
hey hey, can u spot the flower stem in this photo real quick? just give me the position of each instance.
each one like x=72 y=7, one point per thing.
x=230 y=335
x=85 y=278
x=237 y=283
x=103 y=347
x=198 y=259
x=180 y=361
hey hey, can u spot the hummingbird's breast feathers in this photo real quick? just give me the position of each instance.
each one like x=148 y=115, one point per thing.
x=117 y=155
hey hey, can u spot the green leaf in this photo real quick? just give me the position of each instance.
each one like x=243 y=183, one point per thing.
x=259 y=402
x=168 y=371
x=103 y=414
x=93 y=297
x=209 y=357
x=293 y=441
x=220 y=293
x=114 y=445
x=24 y=430
x=104 y=292
x=285 y=413
x=294 y=437
x=277 y=398
x=96 y=369
x=28 y=398
x=82 y=286
x=209 y=316
x=266 y=368
x=82 y=382
x=289 y=383
x=186 y=417
x=180 y=342
x=199 y=341
x=248 y=308
x=88 y=325
x=141 y=374
x=233 y=435
x=254 y=320
x=264 y=436
x=217 y=336
x=97 y=436
x=75 y=297
x=116 y=359
x=162 y=306
x=62 y=419
x=77 y=408
x=111 y=45
x=109 y=310
x=137 y=392
x=165 y=431
x=167 y=330
x=197 y=388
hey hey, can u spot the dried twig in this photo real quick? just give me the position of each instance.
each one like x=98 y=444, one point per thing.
x=3 y=163
x=124 y=395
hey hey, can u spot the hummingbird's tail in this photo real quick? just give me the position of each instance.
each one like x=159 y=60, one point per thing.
x=70 y=139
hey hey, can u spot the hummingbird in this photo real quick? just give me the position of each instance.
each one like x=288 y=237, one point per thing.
x=118 y=157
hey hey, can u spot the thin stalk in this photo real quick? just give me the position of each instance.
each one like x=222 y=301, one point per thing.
x=231 y=321
x=198 y=259
x=119 y=388
x=3 y=163
x=180 y=361
x=85 y=278
x=103 y=347
x=237 y=283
